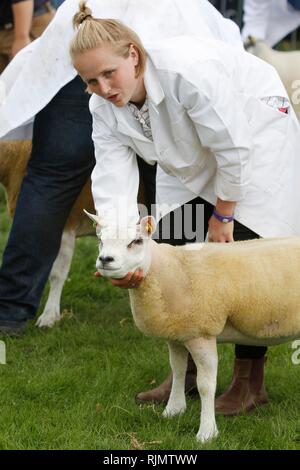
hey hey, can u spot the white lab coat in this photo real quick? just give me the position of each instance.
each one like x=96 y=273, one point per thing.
x=270 y=20
x=212 y=134
x=40 y=70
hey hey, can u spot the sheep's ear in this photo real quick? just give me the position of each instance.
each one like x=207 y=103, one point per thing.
x=147 y=226
x=95 y=218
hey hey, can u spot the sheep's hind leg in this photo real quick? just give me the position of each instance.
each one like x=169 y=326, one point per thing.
x=58 y=275
x=204 y=353
x=178 y=360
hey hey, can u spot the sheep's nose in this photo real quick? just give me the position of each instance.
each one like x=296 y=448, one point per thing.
x=106 y=259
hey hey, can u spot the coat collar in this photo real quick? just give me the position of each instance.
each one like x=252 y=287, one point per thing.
x=126 y=124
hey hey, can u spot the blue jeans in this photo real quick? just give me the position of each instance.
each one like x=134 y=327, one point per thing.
x=62 y=160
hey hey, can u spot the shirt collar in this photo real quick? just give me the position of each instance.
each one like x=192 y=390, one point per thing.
x=153 y=87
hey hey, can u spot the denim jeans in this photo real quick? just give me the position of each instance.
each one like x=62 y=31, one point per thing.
x=62 y=160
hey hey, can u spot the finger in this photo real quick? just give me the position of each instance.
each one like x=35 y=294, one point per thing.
x=97 y=274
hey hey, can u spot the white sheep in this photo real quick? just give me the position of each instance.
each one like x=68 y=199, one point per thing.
x=287 y=65
x=193 y=296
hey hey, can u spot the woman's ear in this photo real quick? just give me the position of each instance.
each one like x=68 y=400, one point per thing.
x=134 y=54
x=147 y=226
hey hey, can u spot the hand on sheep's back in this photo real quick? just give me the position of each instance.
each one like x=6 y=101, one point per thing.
x=130 y=281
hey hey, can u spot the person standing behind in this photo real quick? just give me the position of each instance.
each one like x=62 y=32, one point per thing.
x=21 y=21
x=270 y=20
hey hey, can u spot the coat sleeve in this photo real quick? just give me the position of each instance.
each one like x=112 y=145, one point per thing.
x=115 y=178
x=209 y=98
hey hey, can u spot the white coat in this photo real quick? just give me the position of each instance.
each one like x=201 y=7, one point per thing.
x=212 y=134
x=40 y=70
x=270 y=20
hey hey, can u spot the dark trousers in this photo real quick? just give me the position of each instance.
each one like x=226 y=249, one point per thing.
x=188 y=217
x=61 y=162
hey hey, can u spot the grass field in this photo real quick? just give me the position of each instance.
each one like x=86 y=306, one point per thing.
x=73 y=387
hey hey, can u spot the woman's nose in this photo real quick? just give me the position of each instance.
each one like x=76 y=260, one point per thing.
x=103 y=88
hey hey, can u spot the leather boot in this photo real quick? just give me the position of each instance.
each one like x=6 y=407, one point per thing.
x=161 y=393
x=246 y=390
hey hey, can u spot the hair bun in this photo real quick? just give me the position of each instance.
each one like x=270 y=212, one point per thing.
x=83 y=13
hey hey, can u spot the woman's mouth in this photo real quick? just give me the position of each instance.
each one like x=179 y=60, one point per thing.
x=113 y=97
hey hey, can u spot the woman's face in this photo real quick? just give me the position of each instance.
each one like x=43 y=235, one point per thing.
x=111 y=76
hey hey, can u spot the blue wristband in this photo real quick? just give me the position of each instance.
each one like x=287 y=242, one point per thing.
x=223 y=218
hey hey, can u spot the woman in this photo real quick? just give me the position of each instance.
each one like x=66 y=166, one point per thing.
x=218 y=123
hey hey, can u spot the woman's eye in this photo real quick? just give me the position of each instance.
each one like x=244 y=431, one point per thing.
x=108 y=74
x=92 y=82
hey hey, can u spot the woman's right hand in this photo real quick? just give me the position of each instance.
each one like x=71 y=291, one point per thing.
x=130 y=281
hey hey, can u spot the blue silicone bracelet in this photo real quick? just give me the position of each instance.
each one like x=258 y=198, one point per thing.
x=223 y=218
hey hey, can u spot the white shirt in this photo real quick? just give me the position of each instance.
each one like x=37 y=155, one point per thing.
x=212 y=135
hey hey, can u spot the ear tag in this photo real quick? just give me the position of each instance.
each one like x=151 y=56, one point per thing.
x=149 y=227
x=94 y=223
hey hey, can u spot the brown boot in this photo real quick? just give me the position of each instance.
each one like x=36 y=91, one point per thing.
x=246 y=390
x=161 y=393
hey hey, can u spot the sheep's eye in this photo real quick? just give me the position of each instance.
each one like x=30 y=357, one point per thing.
x=137 y=241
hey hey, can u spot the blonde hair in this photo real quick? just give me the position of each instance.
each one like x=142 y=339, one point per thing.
x=95 y=32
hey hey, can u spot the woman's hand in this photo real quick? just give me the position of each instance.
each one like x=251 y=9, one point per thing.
x=130 y=281
x=219 y=231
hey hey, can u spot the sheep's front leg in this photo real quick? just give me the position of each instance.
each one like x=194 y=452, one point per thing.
x=204 y=354
x=178 y=360
x=58 y=275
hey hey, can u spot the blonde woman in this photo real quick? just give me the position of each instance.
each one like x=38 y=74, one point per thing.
x=218 y=123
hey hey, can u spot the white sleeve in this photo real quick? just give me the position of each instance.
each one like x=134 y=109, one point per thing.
x=212 y=104
x=115 y=178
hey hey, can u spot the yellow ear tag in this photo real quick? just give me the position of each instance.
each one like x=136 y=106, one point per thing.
x=149 y=227
x=94 y=223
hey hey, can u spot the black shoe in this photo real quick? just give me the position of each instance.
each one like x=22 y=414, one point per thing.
x=12 y=328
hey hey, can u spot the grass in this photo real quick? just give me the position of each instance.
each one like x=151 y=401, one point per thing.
x=73 y=387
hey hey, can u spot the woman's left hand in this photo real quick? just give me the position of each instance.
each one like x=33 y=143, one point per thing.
x=219 y=231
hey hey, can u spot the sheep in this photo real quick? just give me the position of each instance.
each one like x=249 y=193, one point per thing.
x=287 y=65
x=193 y=296
x=14 y=156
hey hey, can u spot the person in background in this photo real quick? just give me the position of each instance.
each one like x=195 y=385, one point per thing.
x=270 y=20
x=21 y=21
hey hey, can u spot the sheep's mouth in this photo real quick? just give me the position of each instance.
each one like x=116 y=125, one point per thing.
x=109 y=269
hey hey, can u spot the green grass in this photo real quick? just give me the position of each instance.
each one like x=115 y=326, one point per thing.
x=73 y=387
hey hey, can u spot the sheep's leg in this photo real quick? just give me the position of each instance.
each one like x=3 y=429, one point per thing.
x=58 y=275
x=178 y=360
x=204 y=353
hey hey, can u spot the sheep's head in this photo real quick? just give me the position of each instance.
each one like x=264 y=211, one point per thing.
x=123 y=249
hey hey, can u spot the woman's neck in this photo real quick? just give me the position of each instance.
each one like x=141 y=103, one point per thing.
x=140 y=94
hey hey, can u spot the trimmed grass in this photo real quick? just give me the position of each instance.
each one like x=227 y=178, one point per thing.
x=73 y=387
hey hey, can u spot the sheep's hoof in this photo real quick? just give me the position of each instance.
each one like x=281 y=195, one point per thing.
x=47 y=321
x=170 y=412
x=207 y=435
